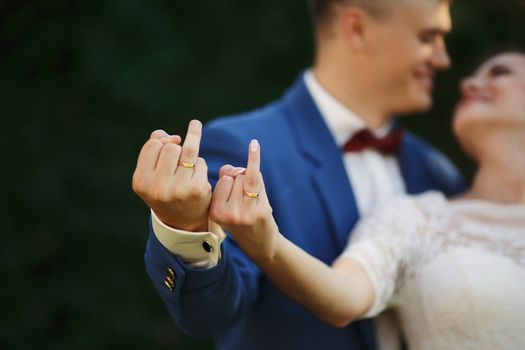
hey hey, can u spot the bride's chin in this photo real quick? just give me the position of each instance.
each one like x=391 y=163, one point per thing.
x=459 y=125
x=468 y=130
x=466 y=121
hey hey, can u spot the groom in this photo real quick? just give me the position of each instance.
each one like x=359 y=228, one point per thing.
x=331 y=153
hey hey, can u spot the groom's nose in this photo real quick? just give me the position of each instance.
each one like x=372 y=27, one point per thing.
x=440 y=57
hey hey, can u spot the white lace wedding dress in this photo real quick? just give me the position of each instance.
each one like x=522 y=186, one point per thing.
x=454 y=272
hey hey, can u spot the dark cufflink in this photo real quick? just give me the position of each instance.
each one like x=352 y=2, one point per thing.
x=208 y=248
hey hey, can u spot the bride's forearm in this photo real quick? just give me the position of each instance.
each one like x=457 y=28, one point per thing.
x=337 y=294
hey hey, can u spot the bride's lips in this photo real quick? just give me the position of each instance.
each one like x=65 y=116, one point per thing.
x=467 y=100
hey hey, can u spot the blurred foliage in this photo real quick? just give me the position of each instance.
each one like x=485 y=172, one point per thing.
x=83 y=84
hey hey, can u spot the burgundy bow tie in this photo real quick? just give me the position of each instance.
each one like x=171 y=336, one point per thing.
x=365 y=139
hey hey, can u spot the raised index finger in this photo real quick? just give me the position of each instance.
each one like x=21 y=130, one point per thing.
x=190 y=148
x=251 y=181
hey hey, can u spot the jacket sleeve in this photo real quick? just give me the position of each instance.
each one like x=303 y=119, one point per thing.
x=204 y=301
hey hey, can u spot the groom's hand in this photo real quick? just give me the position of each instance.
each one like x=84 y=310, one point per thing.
x=173 y=181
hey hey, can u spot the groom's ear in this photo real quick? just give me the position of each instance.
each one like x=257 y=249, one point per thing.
x=353 y=27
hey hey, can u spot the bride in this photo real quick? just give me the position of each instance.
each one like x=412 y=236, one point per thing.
x=452 y=269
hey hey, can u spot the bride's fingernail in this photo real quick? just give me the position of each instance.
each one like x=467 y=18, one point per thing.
x=195 y=123
x=254 y=145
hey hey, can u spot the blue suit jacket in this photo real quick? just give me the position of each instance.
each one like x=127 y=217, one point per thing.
x=314 y=206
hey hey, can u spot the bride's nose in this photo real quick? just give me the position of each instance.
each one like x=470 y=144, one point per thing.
x=470 y=85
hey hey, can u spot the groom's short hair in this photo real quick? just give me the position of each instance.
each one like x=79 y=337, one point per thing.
x=322 y=11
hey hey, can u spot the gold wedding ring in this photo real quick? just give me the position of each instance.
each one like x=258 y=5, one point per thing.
x=187 y=165
x=251 y=194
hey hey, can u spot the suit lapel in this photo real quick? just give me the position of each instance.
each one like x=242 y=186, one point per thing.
x=329 y=178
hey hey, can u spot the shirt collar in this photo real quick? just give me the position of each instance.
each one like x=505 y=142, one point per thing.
x=341 y=121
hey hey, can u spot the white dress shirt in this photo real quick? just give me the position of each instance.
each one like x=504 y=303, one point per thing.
x=374 y=177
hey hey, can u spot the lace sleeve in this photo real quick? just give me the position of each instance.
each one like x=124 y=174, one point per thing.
x=383 y=245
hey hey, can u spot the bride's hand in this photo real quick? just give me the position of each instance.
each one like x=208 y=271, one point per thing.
x=241 y=206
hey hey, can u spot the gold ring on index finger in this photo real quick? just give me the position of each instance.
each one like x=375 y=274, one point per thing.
x=251 y=194
x=187 y=165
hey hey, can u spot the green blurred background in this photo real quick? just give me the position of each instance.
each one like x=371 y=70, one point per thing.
x=83 y=83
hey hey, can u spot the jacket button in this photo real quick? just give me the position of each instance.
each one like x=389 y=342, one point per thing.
x=169 y=284
x=170 y=279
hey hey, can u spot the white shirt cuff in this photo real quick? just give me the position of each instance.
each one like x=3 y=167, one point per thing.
x=197 y=249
